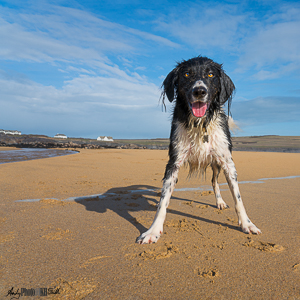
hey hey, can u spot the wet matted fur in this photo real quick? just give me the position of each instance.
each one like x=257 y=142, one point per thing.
x=200 y=135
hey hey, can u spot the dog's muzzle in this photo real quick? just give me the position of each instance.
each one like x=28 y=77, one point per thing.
x=199 y=104
x=199 y=92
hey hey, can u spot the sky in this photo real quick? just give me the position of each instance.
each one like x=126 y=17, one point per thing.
x=93 y=68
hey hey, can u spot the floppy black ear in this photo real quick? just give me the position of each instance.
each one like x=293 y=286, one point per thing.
x=170 y=85
x=227 y=89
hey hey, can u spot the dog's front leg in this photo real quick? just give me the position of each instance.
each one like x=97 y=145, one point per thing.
x=216 y=171
x=154 y=232
x=231 y=177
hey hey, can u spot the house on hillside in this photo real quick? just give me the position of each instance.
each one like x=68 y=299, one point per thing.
x=60 y=136
x=105 y=138
x=12 y=132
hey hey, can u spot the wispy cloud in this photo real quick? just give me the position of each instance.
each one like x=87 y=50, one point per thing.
x=81 y=45
x=107 y=73
x=268 y=43
x=78 y=94
x=67 y=34
x=205 y=27
x=273 y=49
x=84 y=105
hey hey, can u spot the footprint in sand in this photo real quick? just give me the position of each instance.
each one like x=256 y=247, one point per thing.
x=263 y=246
x=207 y=193
x=184 y=225
x=77 y=289
x=296 y=267
x=210 y=274
x=160 y=252
x=202 y=206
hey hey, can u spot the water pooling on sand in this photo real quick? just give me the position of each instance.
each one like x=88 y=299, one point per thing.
x=145 y=191
x=10 y=156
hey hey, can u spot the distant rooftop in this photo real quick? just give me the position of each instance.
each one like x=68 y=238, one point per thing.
x=13 y=132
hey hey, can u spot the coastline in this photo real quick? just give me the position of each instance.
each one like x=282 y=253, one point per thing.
x=8 y=155
x=3 y=148
x=289 y=144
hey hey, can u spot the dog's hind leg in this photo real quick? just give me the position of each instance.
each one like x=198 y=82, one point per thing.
x=216 y=171
x=231 y=177
x=154 y=232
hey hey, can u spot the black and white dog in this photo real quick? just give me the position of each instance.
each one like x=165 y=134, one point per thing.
x=200 y=135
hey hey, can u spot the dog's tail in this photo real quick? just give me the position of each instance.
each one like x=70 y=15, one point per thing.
x=232 y=125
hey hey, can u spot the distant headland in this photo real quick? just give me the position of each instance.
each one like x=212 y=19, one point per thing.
x=267 y=143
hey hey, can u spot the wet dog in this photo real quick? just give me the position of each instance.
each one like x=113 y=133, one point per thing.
x=200 y=135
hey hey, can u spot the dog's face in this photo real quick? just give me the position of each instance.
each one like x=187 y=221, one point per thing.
x=200 y=83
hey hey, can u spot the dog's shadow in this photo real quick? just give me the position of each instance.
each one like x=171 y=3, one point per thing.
x=123 y=200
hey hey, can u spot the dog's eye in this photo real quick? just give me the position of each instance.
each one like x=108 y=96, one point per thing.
x=210 y=75
x=187 y=74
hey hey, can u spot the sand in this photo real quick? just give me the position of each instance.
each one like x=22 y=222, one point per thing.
x=8 y=148
x=85 y=248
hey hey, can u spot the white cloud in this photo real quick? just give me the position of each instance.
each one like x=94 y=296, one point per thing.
x=67 y=34
x=81 y=94
x=280 y=70
x=83 y=106
x=79 y=70
x=99 y=63
x=18 y=44
x=204 y=27
x=267 y=42
x=274 y=46
x=98 y=93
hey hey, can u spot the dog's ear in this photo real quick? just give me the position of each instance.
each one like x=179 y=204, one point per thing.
x=170 y=85
x=227 y=90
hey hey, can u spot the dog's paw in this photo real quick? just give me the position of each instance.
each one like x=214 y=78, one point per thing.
x=250 y=228
x=221 y=204
x=148 y=238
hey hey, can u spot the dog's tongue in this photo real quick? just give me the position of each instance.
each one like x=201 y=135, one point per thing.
x=199 y=109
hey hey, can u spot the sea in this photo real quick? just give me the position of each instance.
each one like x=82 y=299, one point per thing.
x=24 y=154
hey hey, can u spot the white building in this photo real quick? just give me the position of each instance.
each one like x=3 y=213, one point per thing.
x=105 y=138
x=13 y=132
x=60 y=136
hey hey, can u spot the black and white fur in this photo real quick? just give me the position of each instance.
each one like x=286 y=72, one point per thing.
x=199 y=140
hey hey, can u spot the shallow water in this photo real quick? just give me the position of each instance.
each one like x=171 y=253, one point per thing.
x=201 y=188
x=23 y=154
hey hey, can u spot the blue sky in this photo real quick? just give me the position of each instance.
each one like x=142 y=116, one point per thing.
x=90 y=68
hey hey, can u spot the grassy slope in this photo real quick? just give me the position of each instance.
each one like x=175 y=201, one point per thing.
x=239 y=143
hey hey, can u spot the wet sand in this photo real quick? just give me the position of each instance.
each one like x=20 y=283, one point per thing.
x=8 y=155
x=8 y=148
x=85 y=248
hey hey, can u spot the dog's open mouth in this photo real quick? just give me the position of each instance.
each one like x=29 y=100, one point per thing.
x=199 y=109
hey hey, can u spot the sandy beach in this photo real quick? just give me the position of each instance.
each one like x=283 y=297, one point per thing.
x=62 y=240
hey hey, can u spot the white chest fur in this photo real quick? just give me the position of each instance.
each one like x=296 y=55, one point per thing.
x=198 y=147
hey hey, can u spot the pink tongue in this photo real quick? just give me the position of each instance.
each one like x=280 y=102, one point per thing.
x=199 y=109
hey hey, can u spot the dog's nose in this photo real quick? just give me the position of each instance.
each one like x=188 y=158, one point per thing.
x=199 y=92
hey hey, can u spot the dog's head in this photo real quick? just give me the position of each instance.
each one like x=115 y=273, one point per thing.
x=201 y=84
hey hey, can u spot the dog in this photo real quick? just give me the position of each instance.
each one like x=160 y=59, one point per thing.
x=200 y=136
